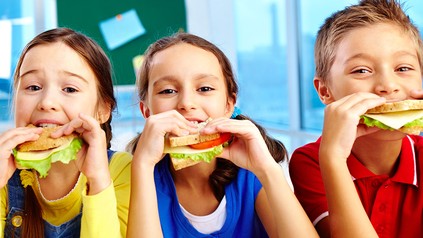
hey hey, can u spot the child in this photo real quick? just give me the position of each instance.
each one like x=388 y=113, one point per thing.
x=185 y=78
x=358 y=181
x=64 y=78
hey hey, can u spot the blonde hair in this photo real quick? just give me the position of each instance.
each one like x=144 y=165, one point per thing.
x=364 y=14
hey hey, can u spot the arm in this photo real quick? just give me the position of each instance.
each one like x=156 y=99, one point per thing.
x=341 y=127
x=144 y=220
x=291 y=220
x=276 y=205
x=3 y=208
x=308 y=185
x=99 y=215
x=101 y=208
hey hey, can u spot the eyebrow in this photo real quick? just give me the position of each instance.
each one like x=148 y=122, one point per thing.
x=366 y=56
x=172 y=79
x=68 y=73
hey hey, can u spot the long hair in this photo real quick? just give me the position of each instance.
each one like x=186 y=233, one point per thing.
x=225 y=170
x=92 y=53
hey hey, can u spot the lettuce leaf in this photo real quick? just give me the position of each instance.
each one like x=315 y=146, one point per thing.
x=202 y=156
x=370 y=122
x=42 y=166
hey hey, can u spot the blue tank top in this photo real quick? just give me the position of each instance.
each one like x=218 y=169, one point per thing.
x=241 y=219
x=16 y=214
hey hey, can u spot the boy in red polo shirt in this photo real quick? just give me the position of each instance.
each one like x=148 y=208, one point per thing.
x=358 y=181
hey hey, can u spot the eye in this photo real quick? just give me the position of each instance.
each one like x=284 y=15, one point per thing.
x=361 y=71
x=70 y=90
x=404 y=69
x=33 y=88
x=168 y=91
x=205 y=89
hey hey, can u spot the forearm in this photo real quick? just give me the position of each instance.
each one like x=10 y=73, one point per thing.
x=99 y=215
x=290 y=217
x=143 y=219
x=347 y=217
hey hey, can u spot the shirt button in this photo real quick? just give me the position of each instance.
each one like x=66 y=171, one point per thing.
x=375 y=184
x=17 y=221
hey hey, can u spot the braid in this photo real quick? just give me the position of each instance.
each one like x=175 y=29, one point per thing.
x=224 y=173
x=32 y=224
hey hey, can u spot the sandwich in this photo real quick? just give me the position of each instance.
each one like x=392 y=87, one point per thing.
x=405 y=116
x=39 y=154
x=185 y=151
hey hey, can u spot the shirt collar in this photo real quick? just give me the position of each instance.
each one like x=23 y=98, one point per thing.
x=405 y=173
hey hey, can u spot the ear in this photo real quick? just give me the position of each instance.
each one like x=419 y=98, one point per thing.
x=103 y=112
x=144 y=110
x=323 y=90
x=230 y=105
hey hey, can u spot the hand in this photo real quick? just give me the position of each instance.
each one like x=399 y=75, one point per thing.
x=150 y=146
x=341 y=123
x=92 y=159
x=8 y=141
x=248 y=149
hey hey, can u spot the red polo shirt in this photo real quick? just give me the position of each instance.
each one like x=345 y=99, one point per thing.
x=394 y=204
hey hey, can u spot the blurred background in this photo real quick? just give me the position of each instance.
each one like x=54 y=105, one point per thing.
x=269 y=42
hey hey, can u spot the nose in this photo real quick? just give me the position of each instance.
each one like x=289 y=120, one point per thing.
x=187 y=101
x=47 y=101
x=386 y=85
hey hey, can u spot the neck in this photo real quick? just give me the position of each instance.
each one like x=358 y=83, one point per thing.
x=195 y=176
x=192 y=184
x=378 y=156
x=60 y=181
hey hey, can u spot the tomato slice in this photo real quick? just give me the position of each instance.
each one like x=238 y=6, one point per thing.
x=209 y=144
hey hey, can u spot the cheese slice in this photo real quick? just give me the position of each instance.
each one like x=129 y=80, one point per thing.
x=397 y=119
x=40 y=155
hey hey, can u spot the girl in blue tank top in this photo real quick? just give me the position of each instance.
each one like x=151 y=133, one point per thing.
x=184 y=80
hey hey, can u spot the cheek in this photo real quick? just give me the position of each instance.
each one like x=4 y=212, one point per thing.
x=159 y=107
x=22 y=111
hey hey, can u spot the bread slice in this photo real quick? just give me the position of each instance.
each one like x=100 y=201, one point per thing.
x=176 y=141
x=397 y=106
x=45 y=142
x=182 y=163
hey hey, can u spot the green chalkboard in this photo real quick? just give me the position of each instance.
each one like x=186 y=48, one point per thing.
x=159 y=18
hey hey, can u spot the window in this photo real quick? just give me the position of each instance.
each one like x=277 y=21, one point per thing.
x=261 y=60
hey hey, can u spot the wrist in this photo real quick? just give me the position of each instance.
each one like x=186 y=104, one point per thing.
x=98 y=184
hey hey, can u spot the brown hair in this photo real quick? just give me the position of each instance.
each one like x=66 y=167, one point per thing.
x=225 y=170
x=364 y=14
x=99 y=63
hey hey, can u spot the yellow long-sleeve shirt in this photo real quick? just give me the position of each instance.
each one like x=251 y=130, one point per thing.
x=103 y=215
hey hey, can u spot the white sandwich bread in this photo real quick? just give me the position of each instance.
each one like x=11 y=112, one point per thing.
x=39 y=154
x=189 y=150
x=405 y=116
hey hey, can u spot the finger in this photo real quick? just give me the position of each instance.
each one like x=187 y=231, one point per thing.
x=10 y=139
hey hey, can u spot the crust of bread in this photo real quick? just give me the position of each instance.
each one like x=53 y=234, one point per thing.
x=175 y=141
x=182 y=163
x=397 y=106
x=45 y=142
